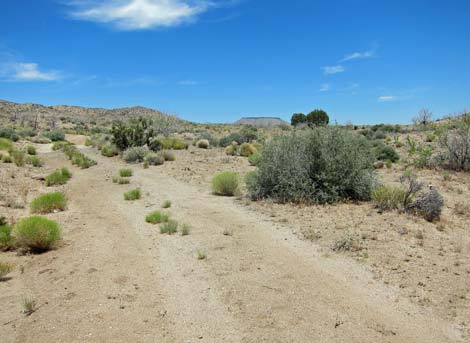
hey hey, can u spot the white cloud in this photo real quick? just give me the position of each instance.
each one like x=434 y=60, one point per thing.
x=325 y=87
x=333 y=69
x=387 y=98
x=140 y=14
x=358 y=55
x=15 y=71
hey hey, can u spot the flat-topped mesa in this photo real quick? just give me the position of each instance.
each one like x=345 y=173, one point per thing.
x=261 y=121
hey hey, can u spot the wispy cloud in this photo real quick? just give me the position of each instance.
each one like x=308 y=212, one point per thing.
x=139 y=14
x=188 y=83
x=333 y=69
x=325 y=87
x=387 y=98
x=359 y=55
x=26 y=72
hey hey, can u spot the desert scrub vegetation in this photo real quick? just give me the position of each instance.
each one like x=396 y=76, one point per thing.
x=173 y=143
x=31 y=150
x=321 y=165
x=203 y=144
x=59 y=145
x=77 y=158
x=185 y=229
x=6 y=240
x=125 y=172
x=58 y=177
x=388 y=198
x=49 y=202
x=54 y=135
x=133 y=194
x=170 y=227
x=157 y=217
x=5 y=269
x=121 y=180
x=34 y=161
x=109 y=150
x=254 y=159
x=166 y=204
x=201 y=254
x=5 y=143
x=154 y=159
x=167 y=155
x=37 y=233
x=247 y=149
x=135 y=154
x=18 y=157
x=455 y=144
x=225 y=183
x=28 y=305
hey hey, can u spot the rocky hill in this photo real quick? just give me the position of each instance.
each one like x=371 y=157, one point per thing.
x=21 y=113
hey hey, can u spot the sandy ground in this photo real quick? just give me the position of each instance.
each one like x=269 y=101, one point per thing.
x=115 y=278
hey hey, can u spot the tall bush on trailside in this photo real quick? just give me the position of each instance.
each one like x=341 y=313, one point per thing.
x=322 y=165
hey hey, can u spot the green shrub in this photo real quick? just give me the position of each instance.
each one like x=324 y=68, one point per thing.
x=5 y=143
x=54 y=135
x=203 y=144
x=388 y=197
x=231 y=150
x=126 y=172
x=322 y=165
x=49 y=202
x=121 y=180
x=18 y=157
x=317 y=118
x=109 y=150
x=5 y=237
x=168 y=155
x=185 y=229
x=134 y=194
x=155 y=145
x=157 y=217
x=166 y=204
x=58 y=177
x=428 y=205
x=34 y=161
x=31 y=150
x=385 y=152
x=225 y=183
x=173 y=143
x=254 y=159
x=40 y=140
x=170 y=227
x=82 y=161
x=5 y=269
x=59 y=145
x=154 y=159
x=36 y=233
x=228 y=140
x=135 y=154
x=9 y=133
x=456 y=146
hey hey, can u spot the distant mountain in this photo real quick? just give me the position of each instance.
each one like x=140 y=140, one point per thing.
x=261 y=121
x=29 y=112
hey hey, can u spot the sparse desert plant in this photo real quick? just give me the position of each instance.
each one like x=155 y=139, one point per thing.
x=18 y=157
x=5 y=143
x=28 y=305
x=5 y=269
x=109 y=150
x=154 y=159
x=173 y=143
x=157 y=217
x=456 y=146
x=54 y=135
x=388 y=197
x=145 y=165
x=385 y=152
x=185 y=229
x=36 y=233
x=34 y=161
x=155 y=145
x=167 y=155
x=247 y=149
x=231 y=150
x=59 y=145
x=201 y=254
x=428 y=205
x=461 y=208
x=170 y=227
x=135 y=154
x=58 y=177
x=166 y=204
x=133 y=194
x=121 y=180
x=49 y=202
x=412 y=188
x=225 y=183
x=321 y=165
x=5 y=236
x=125 y=172
x=31 y=150
x=203 y=144
x=346 y=243
x=7 y=159
x=254 y=158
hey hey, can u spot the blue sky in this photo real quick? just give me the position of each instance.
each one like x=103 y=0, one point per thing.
x=364 y=61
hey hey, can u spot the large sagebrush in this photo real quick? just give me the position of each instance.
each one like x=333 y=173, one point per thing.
x=322 y=165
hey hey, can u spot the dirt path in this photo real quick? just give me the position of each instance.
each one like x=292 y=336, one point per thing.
x=117 y=279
